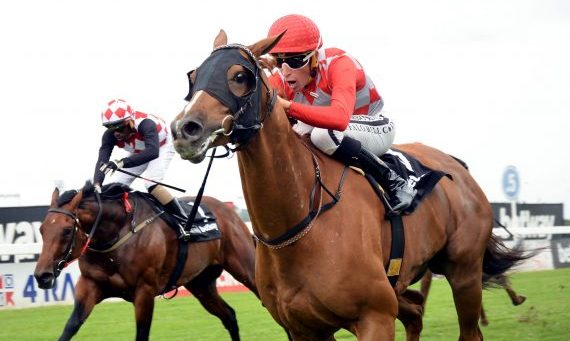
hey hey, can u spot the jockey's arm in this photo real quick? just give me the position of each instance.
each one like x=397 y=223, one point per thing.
x=342 y=78
x=108 y=142
x=147 y=128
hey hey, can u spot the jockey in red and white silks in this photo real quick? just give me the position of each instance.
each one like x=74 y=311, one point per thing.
x=148 y=143
x=332 y=98
x=150 y=149
x=328 y=124
x=156 y=168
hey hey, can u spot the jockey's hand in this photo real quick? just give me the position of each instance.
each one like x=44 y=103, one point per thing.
x=111 y=166
x=97 y=188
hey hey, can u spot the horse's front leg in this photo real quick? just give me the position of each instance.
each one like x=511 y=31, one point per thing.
x=87 y=295
x=144 y=307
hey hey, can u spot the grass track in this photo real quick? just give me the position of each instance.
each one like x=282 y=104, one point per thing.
x=544 y=316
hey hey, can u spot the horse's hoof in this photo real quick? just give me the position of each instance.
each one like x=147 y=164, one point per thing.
x=519 y=300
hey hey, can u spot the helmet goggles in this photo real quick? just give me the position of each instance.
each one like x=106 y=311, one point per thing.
x=117 y=126
x=295 y=61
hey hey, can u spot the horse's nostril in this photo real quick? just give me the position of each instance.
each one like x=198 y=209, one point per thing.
x=45 y=280
x=191 y=129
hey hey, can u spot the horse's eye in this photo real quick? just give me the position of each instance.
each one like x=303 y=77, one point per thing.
x=241 y=83
x=241 y=78
x=66 y=233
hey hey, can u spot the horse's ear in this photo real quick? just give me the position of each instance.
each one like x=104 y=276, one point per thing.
x=265 y=45
x=221 y=39
x=54 y=197
x=76 y=199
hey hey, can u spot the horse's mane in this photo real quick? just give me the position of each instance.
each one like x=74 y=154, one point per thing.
x=66 y=197
x=110 y=191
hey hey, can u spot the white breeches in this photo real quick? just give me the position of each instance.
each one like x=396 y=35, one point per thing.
x=153 y=170
x=376 y=133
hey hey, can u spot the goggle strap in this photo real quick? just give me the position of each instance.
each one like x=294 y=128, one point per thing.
x=308 y=56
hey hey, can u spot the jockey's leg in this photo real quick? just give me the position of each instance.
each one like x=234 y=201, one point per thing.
x=347 y=148
x=155 y=171
x=172 y=206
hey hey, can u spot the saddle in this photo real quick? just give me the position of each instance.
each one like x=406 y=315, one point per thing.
x=204 y=226
x=423 y=179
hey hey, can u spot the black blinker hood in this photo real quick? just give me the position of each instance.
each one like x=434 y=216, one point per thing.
x=211 y=77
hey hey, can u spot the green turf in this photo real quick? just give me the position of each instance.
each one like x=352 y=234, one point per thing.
x=544 y=316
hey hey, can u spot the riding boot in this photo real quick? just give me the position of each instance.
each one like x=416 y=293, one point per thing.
x=176 y=210
x=400 y=193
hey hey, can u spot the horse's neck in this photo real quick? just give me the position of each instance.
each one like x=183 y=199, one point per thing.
x=277 y=175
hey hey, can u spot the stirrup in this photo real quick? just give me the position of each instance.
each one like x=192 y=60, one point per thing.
x=185 y=236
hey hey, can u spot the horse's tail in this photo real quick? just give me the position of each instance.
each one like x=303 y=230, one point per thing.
x=499 y=258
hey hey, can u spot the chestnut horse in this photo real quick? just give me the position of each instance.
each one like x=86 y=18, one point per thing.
x=318 y=269
x=137 y=266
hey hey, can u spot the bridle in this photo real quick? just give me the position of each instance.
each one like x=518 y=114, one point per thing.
x=246 y=119
x=66 y=259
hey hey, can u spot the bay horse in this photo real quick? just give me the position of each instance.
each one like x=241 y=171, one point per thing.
x=132 y=255
x=319 y=270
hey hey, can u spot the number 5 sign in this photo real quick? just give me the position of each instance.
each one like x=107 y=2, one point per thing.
x=511 y=183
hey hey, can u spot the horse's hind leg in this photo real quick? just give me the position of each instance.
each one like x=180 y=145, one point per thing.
x=87 y=296
x=410 y=312
x=516 y=299
x=466 y=284
x=208 y=295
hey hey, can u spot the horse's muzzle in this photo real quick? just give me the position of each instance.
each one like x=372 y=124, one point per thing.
x=46 y=280
x=189 y=139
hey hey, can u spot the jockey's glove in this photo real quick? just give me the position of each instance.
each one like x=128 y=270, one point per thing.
x=111 y=166
x=97 y=188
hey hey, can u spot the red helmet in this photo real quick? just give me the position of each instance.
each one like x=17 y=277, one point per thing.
x=302 y=34
x=117 y=111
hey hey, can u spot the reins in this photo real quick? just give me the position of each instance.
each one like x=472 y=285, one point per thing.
x=198 y=198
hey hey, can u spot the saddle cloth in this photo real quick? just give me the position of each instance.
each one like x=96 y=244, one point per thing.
x=420 y=177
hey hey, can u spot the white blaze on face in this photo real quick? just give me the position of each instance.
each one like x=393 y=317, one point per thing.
x=188 y=107
x=193 y=101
